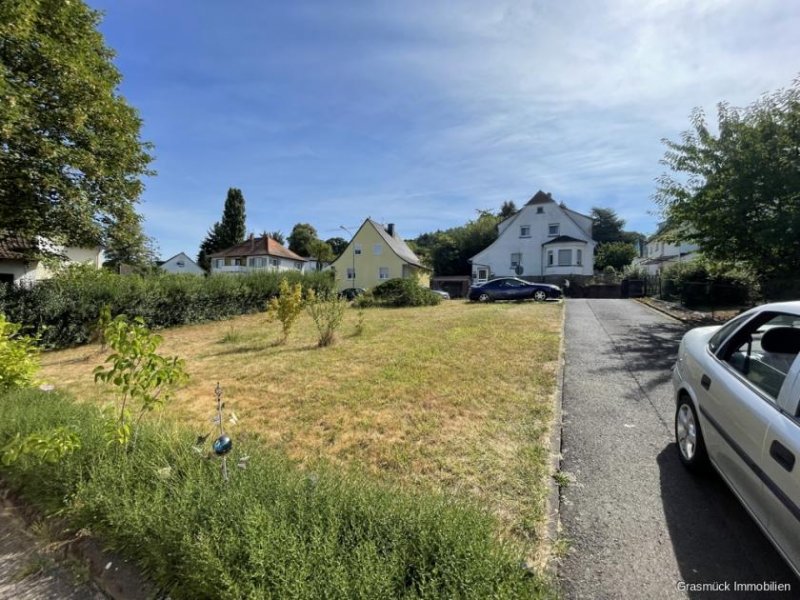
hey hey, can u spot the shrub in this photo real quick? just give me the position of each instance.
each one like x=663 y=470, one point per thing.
x=64 y=310
x=400 y=292
x=327 y=313
x=271 y=531
x=19 y=357
x=143 y=378
x=699 y=283
x=286 y=307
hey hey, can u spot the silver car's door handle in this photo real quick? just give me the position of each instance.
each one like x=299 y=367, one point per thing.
x=782 y=455
x=705 y=381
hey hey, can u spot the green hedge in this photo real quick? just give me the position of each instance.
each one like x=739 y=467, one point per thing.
x=274 y=531
x=398 y=293
x=64 y=310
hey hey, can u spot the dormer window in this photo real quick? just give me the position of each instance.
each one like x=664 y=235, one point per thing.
x=553 y=229
x=524 y=231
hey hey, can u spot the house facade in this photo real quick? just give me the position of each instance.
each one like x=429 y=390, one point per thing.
x=256 y=254
x=374 y=255
x=543 y=241
x=181 y=263
x=21 y=258
x=658 y=254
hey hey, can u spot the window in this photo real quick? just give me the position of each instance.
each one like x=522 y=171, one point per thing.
x=238 y=262
x=516 y=259
x=357 y=249
x=552 y=229
x=579 y=257
x=564 y=258
x=180 y=264
x=377 y=249
x=383 y=273
x=298 y=266
x=251 y=262
x=724 y=331
x=539 y=210
x=524 y=231
x=351 y=273
x=483 y=274
x=763 y=351
x=549 y=258
x=219 y=263
x=274 y=262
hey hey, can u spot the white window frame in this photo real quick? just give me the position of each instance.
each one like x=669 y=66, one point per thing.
x=351 y=273
x=550 y=262
x=562 y=252
x=550 y=229
x=540 y=210
x=377 y=249
x=383 y=273
x=524 y=231
x=579 y=257
x=275 y=262
x=356 y=248
x=515 y=263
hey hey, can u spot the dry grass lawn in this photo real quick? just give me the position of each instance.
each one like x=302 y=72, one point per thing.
x=456 y=397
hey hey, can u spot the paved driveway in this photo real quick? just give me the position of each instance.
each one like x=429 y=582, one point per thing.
x=637 y=521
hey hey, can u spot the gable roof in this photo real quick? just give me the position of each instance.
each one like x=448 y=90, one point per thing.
x=260 y=246
x=186 y=256
x=540 y=197
x=398 y=246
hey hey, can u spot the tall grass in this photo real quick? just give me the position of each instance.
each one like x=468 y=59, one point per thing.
x=273 y=531
x=64 y=310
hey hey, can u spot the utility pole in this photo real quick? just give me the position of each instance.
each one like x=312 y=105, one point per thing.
x=353 y=250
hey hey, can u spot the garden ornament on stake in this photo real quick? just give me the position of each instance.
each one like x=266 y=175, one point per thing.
x=223 y=444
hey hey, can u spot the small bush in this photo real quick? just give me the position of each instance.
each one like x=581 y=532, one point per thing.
x=19 y=357
x=327 y=313
x=399 y=292
x=699 y=283
x=273 y=531
x=286 y=307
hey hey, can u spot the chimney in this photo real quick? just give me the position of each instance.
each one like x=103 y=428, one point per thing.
x=252 y=242
x=390 y=229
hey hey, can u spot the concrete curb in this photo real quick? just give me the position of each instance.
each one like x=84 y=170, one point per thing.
x=661 y=310
x=554 y=494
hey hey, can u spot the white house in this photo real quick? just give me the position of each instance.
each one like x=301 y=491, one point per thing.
x=181 y=263
x=544 y=240
x=658 y=254
x=22 y=263
x=253 y=254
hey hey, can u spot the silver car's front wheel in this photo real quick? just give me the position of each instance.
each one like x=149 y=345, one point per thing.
x=689 y=437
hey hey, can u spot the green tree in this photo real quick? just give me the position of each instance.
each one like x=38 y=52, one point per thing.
x=275 y=235
x=126 y=242
x=321 y=251
x=607 y=226
x=508 y=209
x=71 y=159
x=301 y=237
x=227 y=232
x=337 y=244
x=614 y=254
x=736 y=192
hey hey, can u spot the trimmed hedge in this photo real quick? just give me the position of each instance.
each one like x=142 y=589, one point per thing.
x=398 y=293
x=273 y=531
x=64 y=310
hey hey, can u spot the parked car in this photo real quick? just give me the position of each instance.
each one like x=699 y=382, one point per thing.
x=441 y=293
x=512 y=288
x=737 y=390
x=351 y=293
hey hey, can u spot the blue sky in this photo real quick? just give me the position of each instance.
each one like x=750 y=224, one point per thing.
x=420 y=112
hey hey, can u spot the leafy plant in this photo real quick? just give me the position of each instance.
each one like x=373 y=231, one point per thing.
x=49 y=447
x=286 y=307
x=360 y=324
x=144 y=379
x=19 y=356
x=401 y=292
x=327 y=312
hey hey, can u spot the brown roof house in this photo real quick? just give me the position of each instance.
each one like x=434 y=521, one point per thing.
x=24 y=259
x=256 y=253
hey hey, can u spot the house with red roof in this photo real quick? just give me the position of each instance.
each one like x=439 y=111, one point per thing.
x=256 y=253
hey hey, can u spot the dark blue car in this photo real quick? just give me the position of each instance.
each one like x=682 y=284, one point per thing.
x=511 y=288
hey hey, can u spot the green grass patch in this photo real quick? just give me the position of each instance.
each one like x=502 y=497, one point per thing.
x=273 y=531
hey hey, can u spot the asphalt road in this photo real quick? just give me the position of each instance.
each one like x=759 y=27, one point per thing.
x=637 y=523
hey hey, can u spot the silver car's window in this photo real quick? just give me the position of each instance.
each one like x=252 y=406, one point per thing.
x=764 y=350
x=723 y=332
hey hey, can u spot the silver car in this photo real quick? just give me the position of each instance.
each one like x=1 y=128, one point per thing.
x=737 y=390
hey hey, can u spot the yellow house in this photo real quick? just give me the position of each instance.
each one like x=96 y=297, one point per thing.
x=374 y=255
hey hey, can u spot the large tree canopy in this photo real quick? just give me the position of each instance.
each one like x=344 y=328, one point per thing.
x=736 y=191
x=449 y=251
x=301 y=237
x=71 y=159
